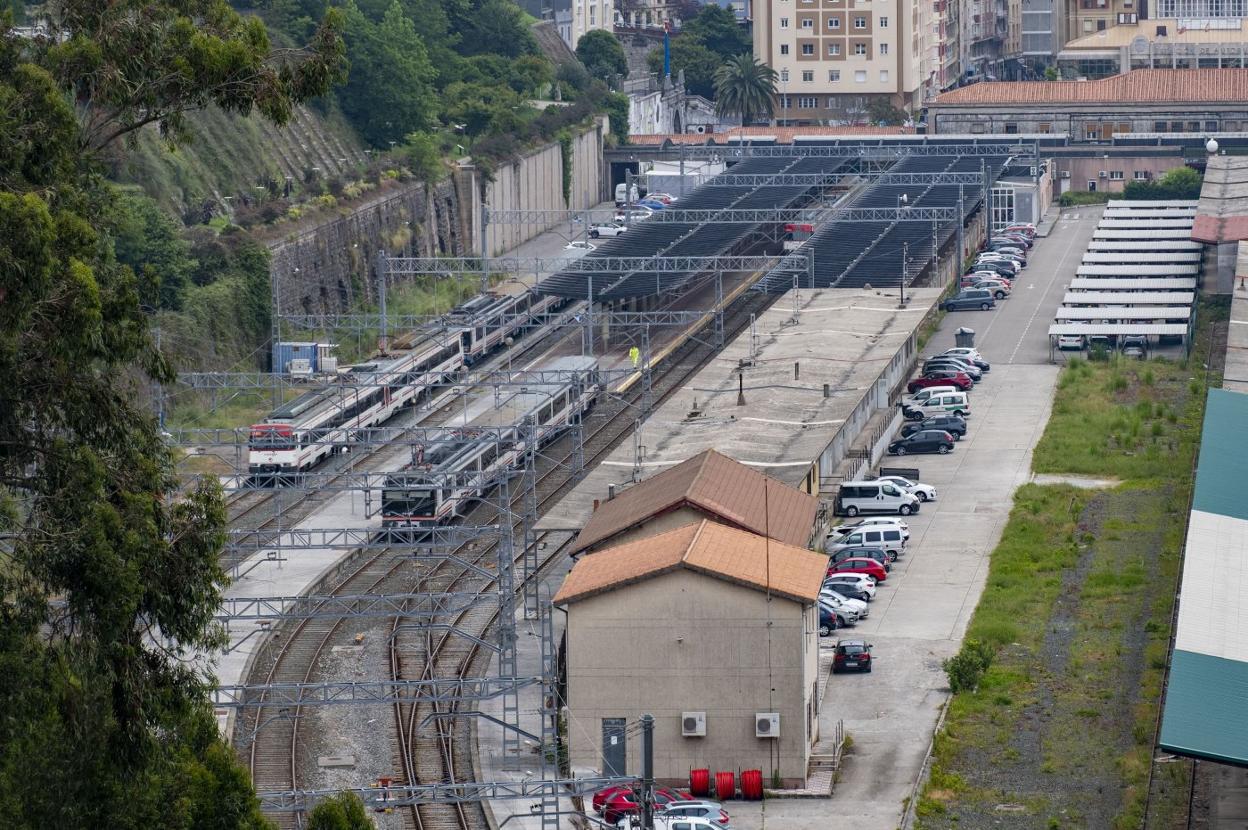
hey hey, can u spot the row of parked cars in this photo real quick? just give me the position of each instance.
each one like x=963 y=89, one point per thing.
x=673 y=809
x=991 y=277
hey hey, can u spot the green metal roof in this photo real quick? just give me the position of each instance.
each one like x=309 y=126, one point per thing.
x=1223 y=455
x=1206 y=712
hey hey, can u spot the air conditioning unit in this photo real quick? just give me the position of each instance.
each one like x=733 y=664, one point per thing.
x=1032 y=171
x=1103 y=174
x=693 y=724
x=1065 y=174
x=767 y=725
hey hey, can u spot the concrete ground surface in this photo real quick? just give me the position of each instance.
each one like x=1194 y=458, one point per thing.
x=922 y=610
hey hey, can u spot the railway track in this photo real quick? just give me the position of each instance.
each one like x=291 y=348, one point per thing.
x=440 y=751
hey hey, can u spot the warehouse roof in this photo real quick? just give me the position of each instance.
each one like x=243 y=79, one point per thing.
x=1223 y=212
x=712 y=483
x=707 y=548
x=1139 y=86
x=1206 y=707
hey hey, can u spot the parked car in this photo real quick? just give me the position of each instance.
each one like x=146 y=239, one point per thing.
x=580 y=245
x=965 y=364
x=860 y=566
x=958 y=403
x=1006 y=247
x=925 y=492
x=856 y=497
x=858 y=606
x=1001 y=268
x=662 y=821
x=862 y=552
x=605 y=794
x=882 y=536
x=621 y=804
x=1017 y=260
x=926 y=392
x=1136 y=346
x=845 y=616
x=665 y=198
x=969 y=298
x=827 y=621
x=859 y=586
x=637 y=212
x=972 y=279
x=998 y=288
x=851 y=655
x=952 y=364
x=606 y=229
x=653 y=204
x=1071 y=341
x=970 y=354
x=941 y=377
x=872 y=521
x=951 y=424
x=927 y=440
x=712 y=810
x=1025 y=241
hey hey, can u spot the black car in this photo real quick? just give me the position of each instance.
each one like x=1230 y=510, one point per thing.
x=951 y=424
x=827 y=621
x=878 y=554
x=933 y=364
x=981 y=365
x=927 y=440
x=851 y=655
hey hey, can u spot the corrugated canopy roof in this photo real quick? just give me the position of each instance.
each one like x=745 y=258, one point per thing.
x=1139 y=86
x=1206 y=708
x=713 y=483
x=706 y=547
x=1133 y=284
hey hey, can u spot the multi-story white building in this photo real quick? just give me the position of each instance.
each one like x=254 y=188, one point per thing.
x=834 y=56
x=587 y=15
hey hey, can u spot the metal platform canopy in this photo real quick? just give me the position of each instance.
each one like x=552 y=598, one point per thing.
x=1131 y=298
x=1128 y=284
x=1137 y=270
x=1149 y=213
x=1116 y=313
x=1137 y=258
x=1147 y=204
x=1143 y=234
x=1205 y=714
x=1143 y=245
x=1132 y=223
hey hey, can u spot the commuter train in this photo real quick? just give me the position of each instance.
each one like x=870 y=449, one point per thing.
x=299 y=434
x=448 y=475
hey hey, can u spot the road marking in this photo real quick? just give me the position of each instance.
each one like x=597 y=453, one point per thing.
x=1057 y=270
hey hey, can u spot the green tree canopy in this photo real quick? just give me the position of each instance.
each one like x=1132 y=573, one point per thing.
x=602 y=53
x=880 y=110
x=389 y=92
x=746 y=88
x=717 y=29
x=344 y=811
x=698 y=63
x=1177 y=183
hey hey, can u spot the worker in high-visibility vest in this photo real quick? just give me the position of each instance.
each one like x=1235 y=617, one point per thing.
x=634 y=354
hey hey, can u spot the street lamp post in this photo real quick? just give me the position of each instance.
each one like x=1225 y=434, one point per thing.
x=784 y=97
x=903 y=200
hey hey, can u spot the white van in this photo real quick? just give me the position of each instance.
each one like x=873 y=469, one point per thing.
x=621 y=194
x=957 y=403
x=923 y=394
x=887 y=537
x=856 y=497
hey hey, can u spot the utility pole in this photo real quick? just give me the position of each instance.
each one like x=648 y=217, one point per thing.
x=383 y=338
x=647 y=772
x=485 y=254
x=905 y=257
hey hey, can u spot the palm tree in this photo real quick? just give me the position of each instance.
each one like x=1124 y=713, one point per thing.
x=745 y=87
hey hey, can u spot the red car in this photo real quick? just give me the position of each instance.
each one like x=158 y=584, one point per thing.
x=941 y=378
x=601 y=797
x=860 y=565
x=627 y=802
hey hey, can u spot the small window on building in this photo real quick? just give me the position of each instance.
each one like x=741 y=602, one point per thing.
x=1115 y=175
x=1044 y=127
x=1159 y=126
x=1100 y=24
x=834 y=75
x=808 y=23
x=883 y=48
x=784 y=23
x=977 y=128
x=860 y=76
x=1087 y=26
x=1092 y=134
x=1141 y=175
x=1011 y=128
x=808 y=48
x=784 y=48
x=834 y=23
x=808 y=76
x=883 y=76
x=1193 y=126
x=1176 y=126
x=860 y=48
x=883 y=22
x=784 y=76
x=834 y=49
x=860 y=23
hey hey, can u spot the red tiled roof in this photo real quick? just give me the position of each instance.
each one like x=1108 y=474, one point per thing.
x=716 y=485
x=1143 y=86
x=783 y=135
x=706 y=547
x=1222 y=214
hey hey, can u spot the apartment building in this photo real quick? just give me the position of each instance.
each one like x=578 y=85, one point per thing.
x=586 y=15
x=1085 y=17
x=834 y=56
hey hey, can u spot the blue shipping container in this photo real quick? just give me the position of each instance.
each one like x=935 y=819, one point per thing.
x=287 y=351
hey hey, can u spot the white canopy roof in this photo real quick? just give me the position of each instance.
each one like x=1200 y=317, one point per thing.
x=1111 y=223
x=1148 y=213
x=1137 y=270
x=1141 y=284
x=1125 y=257
x=1143 y=233
x=1128 y=298
x=1158 y=313
x=1144 y=245
x=1142 y=204
x=1117 y=328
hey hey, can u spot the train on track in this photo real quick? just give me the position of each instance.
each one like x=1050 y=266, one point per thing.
x=446 y=476
x=304 y=431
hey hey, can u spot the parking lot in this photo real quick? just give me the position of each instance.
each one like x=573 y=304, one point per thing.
x=920 y=613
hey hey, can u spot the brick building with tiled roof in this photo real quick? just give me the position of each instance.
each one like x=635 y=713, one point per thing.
x=1140 y=101
x=708 y=628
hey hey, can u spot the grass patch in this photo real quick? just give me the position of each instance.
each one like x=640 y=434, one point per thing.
x=1066 y=712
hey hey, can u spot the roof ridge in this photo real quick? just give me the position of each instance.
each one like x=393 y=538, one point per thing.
x=693 y=543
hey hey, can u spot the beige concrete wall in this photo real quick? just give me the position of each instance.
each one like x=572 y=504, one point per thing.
x=1083 y=170
x=686 y=642
x=535 y=182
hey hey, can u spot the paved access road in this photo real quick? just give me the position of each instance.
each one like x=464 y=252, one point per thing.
x=920 y=614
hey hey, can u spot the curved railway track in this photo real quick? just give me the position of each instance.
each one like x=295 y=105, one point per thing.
x=439 y=751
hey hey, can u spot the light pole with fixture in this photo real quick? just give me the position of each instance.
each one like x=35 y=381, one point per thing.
x=903 y=201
